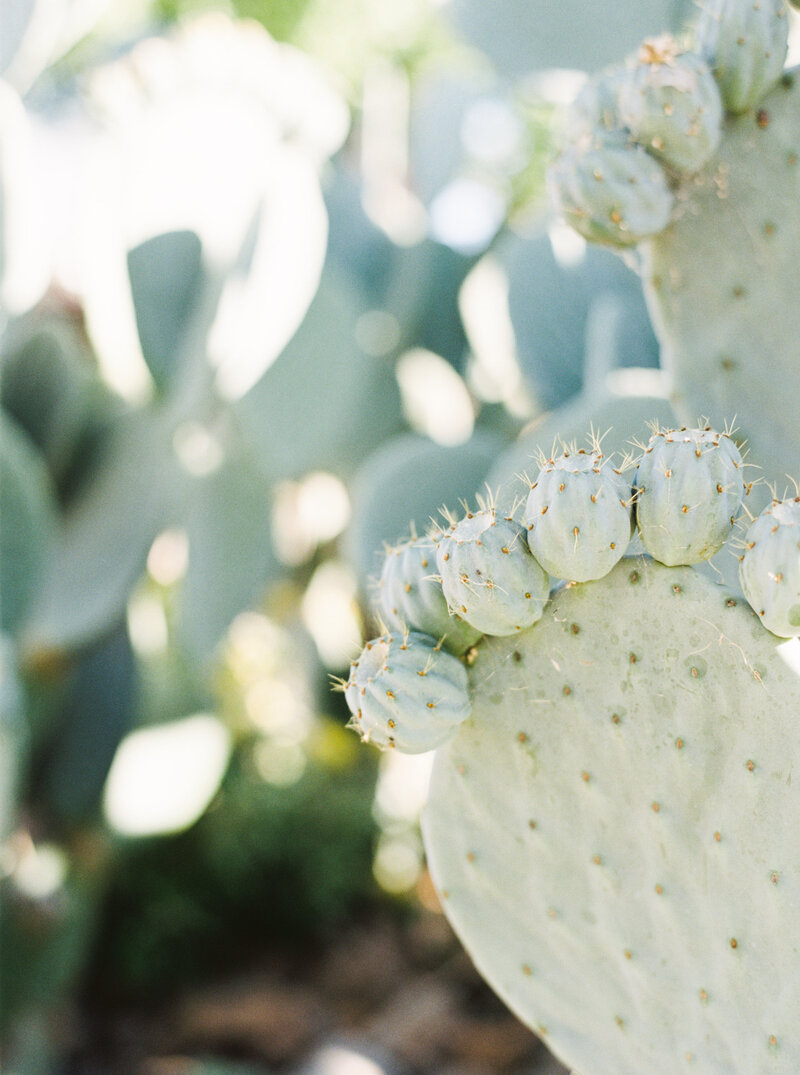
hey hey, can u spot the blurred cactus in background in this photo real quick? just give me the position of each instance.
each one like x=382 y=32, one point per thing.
x=277 y=283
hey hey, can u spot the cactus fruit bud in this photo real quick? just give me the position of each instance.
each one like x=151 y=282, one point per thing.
x=769 y=568
x=410 y=596
x=489 y=575
x=672 y=105
x=405 y=694
x=611 y=191
x=596 y=107
x=745 y=44
x=578 y=516
x=689 y=491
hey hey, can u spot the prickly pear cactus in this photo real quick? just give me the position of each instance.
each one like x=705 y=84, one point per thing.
x=611 y=822
x=719 y=276
x=613 y=831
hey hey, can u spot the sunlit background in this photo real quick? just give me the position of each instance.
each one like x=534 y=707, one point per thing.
x=278 y=282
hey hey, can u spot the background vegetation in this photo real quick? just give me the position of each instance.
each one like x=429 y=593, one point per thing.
x=278 y=282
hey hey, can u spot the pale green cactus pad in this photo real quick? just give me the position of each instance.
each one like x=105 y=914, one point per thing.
x=721 y=281
x=613 y=831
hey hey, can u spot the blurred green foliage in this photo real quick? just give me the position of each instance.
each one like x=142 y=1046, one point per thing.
x=266 y=866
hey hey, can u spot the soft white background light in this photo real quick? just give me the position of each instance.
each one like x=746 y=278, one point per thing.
x=163 y=777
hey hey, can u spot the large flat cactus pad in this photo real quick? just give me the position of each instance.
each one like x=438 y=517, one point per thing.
x=614 y=831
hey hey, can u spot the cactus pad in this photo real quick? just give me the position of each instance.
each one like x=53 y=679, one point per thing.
x=721 y=281
x=613 y=830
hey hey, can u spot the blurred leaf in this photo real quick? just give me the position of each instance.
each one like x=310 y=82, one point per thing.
x=280 y=17
x=521 y=37
x=48 y=384
x=212 y=151
x=95 y=713
x=40 y=32
x=549 y=303
x=615 y=337
x=166 y=275
x=164 y=776
x=405 y=483
x=265 y=865
x=357 y=248
x=230 y=551
x=264 y=305
x=27 y=523
x=439 y=105
x=324 y=404
x=17 y=15
x=14 y=736
x=350 y=35
x=417 y=286
x=103 y=543
x=44 y=942
x=422 y=293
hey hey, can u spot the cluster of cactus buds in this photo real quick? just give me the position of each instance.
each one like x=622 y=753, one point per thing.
x=592 y=779
x=638 y=130
x=486 y=574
